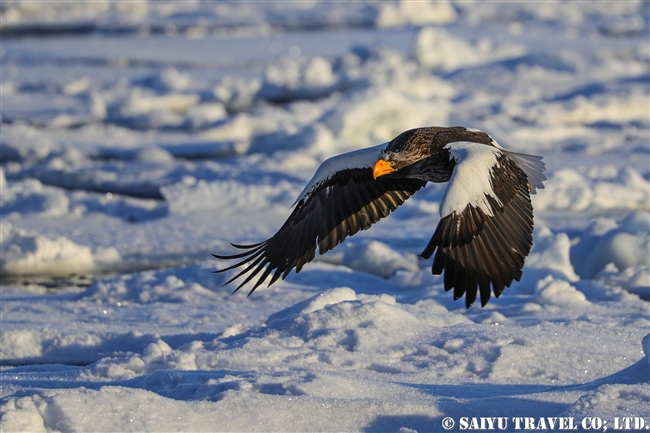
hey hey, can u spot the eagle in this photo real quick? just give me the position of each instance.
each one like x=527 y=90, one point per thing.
x=485 y=230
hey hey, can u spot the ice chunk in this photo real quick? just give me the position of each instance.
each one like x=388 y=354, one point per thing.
x=77 y=86
x=378 y=114
x=183 y=199
x=437 y=49
x=635 y=279
x=29 y=254
x=377 y=258
x=583 y=110
x=206 y=114
x=567 y=189
x=318 y=72
x=404 y=12
x=22 y=414
x=560 y=293
x=622 y=249
x=140 y=102
x=150 y=286
x=237 y=93
x=625 y=246
x=294 y=79
x=171 y=79
x=31 y=196
x=317 y=302
x=613 y=400
x=549 y=256
x=155 y=155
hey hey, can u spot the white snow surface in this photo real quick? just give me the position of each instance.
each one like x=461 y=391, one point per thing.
x=138 y=137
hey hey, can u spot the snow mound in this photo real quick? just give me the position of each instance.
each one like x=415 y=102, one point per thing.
x=191 y=284
x=24 y=142
x=171 y=79
x=140 y=101
x=154 y=155
x=30 y=196
x=377 y=115
x=583 y=110
x=142 y=179
x=204 y=115
x=625 y=245
x=635 y=279
x=143 y=109
x=403 y=12
x=609 y=401
x=317 y=302
x=567 y=189
x=296 y=79
x=335 y=329
x=22 y=415
x=621 y=248
x=19 y=12
x=340 y=330
x=187 y=197
x=560 y=293
x=24 y=253
x=21 y=346
x=550 y=256
x=437 y=49
x=53 y=111
x=377 y=258
x=237 y=93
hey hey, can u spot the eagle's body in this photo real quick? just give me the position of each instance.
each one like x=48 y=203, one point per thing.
x=486 y=225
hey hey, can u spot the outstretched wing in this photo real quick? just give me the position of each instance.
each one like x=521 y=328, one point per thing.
x=486 y=230
x=341 y=199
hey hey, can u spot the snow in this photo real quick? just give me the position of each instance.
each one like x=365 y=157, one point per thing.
x=377 y=258
x=438 y=50
x=26 y=253
x=611 y=188
x=625 y=245
x=559 y=292
x=379 y=114
x=138 y=138
x=401 y=13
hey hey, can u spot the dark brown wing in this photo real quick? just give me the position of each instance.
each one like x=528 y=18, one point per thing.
x=348 y=202
x=477 y=250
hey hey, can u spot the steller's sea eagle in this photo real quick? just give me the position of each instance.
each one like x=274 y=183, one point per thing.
x=486 y=226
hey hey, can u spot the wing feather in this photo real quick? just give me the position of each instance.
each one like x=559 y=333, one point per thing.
x=483 y=242
x=349 y=201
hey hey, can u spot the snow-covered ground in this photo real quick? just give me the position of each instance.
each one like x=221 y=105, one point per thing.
x=139 y=137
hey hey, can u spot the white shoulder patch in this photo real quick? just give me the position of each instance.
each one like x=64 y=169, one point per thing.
x=362 y=158
x=470 y=181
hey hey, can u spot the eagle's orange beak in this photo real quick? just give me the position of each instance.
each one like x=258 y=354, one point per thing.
x=382 y=168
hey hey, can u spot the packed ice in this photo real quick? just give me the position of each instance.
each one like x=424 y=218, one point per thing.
x=139 y=137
